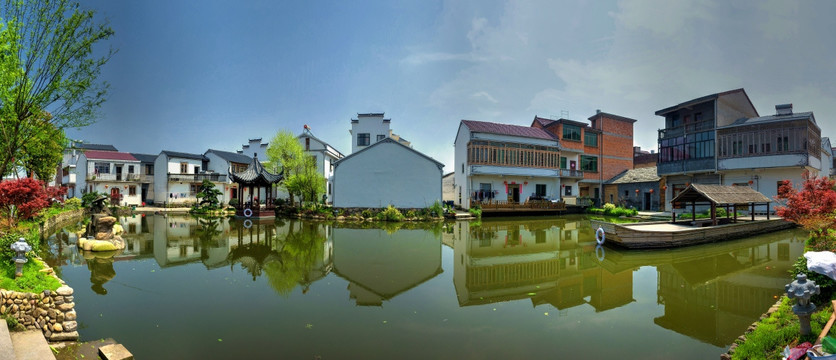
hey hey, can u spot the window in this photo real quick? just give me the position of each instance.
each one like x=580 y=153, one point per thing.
x=329 y=188
x=568 y=190
x=562 y=162
x=130 y=169
x=184 y=168
x=462 y=168
x=307 y=143
x=571 y=132
x=540 y=237
x=589 y=163
x=196 y=169
x=194 y=189
x=102 y=168
x=626 y=194
x=540 y=190
x=486 y=187
x=363 y=139
x=590 y=139
x=149 y=169
x=381 y=137
x=132 y=190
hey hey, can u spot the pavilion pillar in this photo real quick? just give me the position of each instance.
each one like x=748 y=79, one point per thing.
x=734 y=208
x=713 y=214
x=693 y=211
x=767 y=211
x=753 y=211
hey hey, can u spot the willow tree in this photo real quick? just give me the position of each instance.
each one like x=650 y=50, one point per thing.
x=47 y=63
x=301 y=176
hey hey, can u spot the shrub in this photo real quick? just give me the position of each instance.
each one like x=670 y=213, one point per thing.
x=87 y=199
x=367 y=213
x=389 y=214
x=436 y=210
x=72 y=203
x=411 y=214
x=475 y=211
x=609 y=206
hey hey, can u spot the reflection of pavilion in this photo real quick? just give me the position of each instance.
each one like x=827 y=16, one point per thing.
x=711 y=299
x=380 y=266
x=502 y=261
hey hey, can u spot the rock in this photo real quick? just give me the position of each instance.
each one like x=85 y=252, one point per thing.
x=15 y=308
x=64 y=336
x=64 y=291
x=69 y=298
x=60 y=318
x=115 y=352
x=47 y=292
x=47 y=333
x=58 y=300
x=51 y=313
x=46 y=300
x=66 y=306
x=57 y=327
x=104 y=235
x=70 y=326
x=118 y=230
x=70 y=315
x=3 y=309
x=18 y=301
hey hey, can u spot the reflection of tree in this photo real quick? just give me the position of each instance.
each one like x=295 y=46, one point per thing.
x=208 y=232
x=252 y=257
x=298 y=255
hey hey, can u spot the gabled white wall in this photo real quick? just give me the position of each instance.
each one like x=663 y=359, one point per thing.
x=387 y=174
x=373 y=125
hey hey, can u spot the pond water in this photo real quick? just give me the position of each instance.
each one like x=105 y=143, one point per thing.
x=519 y=288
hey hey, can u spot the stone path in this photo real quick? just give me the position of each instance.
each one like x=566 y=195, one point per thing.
x=30 y=345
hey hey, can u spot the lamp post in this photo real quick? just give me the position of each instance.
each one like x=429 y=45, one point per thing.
x=802 y=289
x=20 y=247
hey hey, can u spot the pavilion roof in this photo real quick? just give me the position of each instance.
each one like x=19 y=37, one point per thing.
x=256 y=174
x=721 y=195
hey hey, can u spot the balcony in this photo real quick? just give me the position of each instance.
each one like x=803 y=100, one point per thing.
x=68 y=179
x=569 y=173
x=196 y=178
x=114 y=177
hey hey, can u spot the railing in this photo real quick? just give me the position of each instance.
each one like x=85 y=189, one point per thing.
x=113 y=177
x=196 y=177
x=569 y=173
x=510 y=205
x=68 y=179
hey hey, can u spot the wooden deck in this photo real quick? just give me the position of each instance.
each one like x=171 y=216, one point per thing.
x=536 y=206
x=664 y=234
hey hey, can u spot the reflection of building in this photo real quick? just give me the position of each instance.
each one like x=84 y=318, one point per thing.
x=380 y=266
x=714 y=298
x=548 y=263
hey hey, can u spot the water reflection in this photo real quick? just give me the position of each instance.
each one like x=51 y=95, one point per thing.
x=544 y=261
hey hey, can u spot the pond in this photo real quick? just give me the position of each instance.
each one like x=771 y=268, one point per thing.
x=520 y=288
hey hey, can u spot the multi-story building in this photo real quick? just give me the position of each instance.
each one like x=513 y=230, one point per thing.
x=66 y=174
x=325 y=156
x=591 y=154
x=146 y=176
x=370 y=128
x=826 y=157
x=178 y=176
x=222 y=162
x=505 y=163
x=110 y=172
x=721 y=139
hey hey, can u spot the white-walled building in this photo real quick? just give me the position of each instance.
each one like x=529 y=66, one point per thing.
x=146 y=176
x=110 y=172
x=253 y=147
x=177 y=177
x=387 y=173
x=66 y=176
x=221 y=162
x=370 y=128
x=826 y=157
x=325 y=155
x=503 y=162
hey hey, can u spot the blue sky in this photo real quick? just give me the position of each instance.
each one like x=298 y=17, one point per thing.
x=193 y=75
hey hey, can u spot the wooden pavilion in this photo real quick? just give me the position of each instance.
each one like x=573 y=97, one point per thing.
x=728 y=197
x=255 y=177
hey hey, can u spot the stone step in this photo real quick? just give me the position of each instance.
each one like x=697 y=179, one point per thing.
x=31 y=345
x=6 y=349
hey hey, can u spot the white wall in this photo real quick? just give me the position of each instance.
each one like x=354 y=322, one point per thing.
x=387 y=174
x=460 y=167
x=373 y=125
x=765 y=181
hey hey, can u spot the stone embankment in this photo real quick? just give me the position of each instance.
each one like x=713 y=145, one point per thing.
x=51 y=225
x=52 y=312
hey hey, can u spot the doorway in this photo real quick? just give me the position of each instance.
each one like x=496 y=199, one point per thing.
x=118 y=172
x=115 y=197
x=647 y=201
x=514 y=193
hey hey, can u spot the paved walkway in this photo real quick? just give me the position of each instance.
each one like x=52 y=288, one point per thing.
x=31 y=345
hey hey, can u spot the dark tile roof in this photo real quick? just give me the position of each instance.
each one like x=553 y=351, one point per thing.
x=176 y=154
x=542 y=121
x=505 y=129
x=256 y=174
x=100 y=147
x=231 y=156
x=700 y=100
x=146 y=158
x=109 y=155
x=612 y=116
x=632 y=176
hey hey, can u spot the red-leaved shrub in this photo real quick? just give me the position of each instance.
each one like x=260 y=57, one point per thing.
x=22 y=198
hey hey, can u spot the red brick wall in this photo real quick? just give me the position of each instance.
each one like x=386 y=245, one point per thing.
x=617 y=141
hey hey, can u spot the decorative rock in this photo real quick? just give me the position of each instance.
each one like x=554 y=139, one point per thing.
x=70 y=315
x=115 y=352
x=69 y=298
x=57 y=328
x=70 y=326
x=64 y=291
x=66 y=306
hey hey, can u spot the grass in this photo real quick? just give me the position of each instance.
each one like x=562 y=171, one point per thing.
x=33 y=280
x=779 y=329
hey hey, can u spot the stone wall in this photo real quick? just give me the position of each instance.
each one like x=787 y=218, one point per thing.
x=54 y=223
x=52 y=312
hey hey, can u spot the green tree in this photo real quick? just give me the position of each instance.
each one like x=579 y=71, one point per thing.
x=41 y=155
x=209 y=195
x=47 y=63
x=286 y=153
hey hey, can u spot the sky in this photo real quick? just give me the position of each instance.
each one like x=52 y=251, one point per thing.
x=195 y=75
